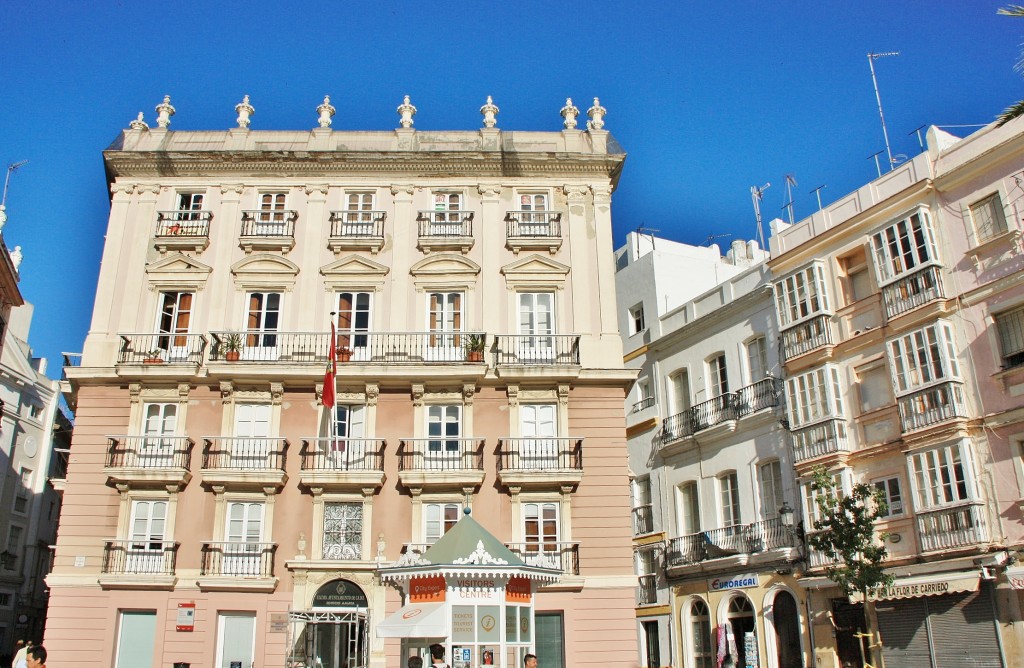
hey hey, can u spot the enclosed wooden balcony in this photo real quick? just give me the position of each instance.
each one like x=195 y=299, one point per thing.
x=931 y=406
x=807 y=336
x=912 y=291
x=819 y=440
x=532 y=463
x=952 y=527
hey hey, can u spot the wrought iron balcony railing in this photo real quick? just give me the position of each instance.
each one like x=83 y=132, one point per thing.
x=451 y=224
x=139 y=557
x=539 y=349
x=185 y=223
x=807 y=336
x=161 y=348
x=647 y=590
x=643 y=404
x=932 y=405
x=729 y=541
x=912 y=291
x=259 y=223
x=962 y=525
x=343 y=454
x=747 y=400
x=441 y=454
x=358 y=224
x=533 y=224
x=59 y=464
x=643 y=520
x=312 y=348
x=238 y=559
x=149 y=452
x=245 y=454
x=540 y=454
x=559 y=556
x=819 y=439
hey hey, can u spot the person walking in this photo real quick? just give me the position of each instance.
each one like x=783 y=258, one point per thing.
x=437 y=656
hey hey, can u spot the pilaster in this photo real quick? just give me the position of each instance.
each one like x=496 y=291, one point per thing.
x=492 y=238
x=404 y=227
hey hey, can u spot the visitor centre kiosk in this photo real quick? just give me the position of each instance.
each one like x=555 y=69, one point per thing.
x=469 y=593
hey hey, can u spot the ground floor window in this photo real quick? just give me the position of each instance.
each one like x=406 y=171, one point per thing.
x=135 y=638
x=701 y=649
x=550 y=639
x=652 y=646
x=741 y=622
x=786 y=624
x=236 y=638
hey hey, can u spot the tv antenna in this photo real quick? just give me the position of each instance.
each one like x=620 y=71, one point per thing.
x=756 y=194
x=646 y=231
x=817 y=193
x=712 y=237
x=788 y=206
x=872 y=56
x=7 y=181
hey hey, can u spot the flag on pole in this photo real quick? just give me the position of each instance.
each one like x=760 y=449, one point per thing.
x=327 y=396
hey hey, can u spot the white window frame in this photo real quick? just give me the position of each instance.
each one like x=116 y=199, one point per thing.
x=682 y=511
x=440 y=507
x=273 y=215
x=541 y=539
x=814 y=396
x=923 y=357
x=757 y=356
x=706 y=622
x=635 y=317
x=772 y=487
x=844 y=486
x=802 y=295
x=910 y=255
x=996 y=223
x=354 y=334
x=885 y=485
x=174 y=322
x=187 y=201
x=729 y=511
x=718 y=375
x=261 y=338
x=444 y=212
x=1009 y=334
x=934 y=478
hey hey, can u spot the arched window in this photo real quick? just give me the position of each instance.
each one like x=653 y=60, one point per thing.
x=702 y=650
x=741 y=618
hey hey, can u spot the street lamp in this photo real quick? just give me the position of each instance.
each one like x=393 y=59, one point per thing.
x=787 y=515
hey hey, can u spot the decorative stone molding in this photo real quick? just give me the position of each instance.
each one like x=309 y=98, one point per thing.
x=122 y=189
x=164 y=111
x=183 y=392
x=123 y=488
x=480 y=556
x=218 y=489
x=490 y=113
x=569 y=113
x=403 y=190
x=134 y=392
x=406 y=111
x=597 y=114
x=228 y=188
x=563 y=394
x=489 y=190
x=244 y=111
x=372 y=392
x=417 y=394
x=276 y=393
x=139 y=123
x=468 y=392
x=316 y=189
x=602 y=195
x=325 y=111
x=575 y=193
x=512 y=391
x=227 y=391
x=318 y=392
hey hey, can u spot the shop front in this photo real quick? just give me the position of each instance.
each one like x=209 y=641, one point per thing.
x=469 y=593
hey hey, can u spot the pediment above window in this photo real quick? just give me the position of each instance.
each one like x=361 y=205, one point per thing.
x=353 y=270
x=535 y=270
x=445 y=264
x=265 y=269
x=177 y=270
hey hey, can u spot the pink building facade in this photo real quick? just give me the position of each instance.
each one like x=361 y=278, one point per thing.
x=212 y=504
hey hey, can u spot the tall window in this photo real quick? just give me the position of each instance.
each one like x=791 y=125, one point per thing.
x=729 y=495
x=891 y=494
x=444 y=317
x=251 y=446
x=904 y=247
x=538 y=424
x=757 y=358
x=689 y=509
x=874 y=387
x=348 y=421
x=190 y=201
x=21 y=493
x=271 y=208
x=353 y=319
x=702 y=649
x=264 y=318
x=988 y=217
x=536 y=323
x=145 y=552
x=174 y=317
x=540 y=527
x=447 y=208
x=770 y=479
x=14 y=545
x=679 y=384
x=814 y=396
x=343 y=531
x=159 y=426
x=637 y=323
x=718 y=379
x=924 y=357
x=843 y=480
x=1010 y=328
x=942 y=476
x=642 y=517
x=801 y=296
x=438 y=518
x=243 y=531
x=533 y=203
x=444 y=428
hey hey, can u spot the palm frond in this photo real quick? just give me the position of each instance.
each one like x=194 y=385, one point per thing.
x=1011 y=112
x=1012 y=10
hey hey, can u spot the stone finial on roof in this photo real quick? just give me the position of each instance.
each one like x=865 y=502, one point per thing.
x=164 y=111
x=597 y=114
x=244 y=110
x=16 y=257
x=490 y=112
x=326 y=111
x=406 y=111
x=569 y=113
x=138 y=123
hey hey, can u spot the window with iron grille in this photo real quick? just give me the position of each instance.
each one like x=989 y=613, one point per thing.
x=343 y=531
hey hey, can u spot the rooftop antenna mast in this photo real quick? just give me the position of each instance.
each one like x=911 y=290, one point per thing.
x=7 y=181
x=872 y=56
x=756 y=194
x=648 y=231
x=790 y=182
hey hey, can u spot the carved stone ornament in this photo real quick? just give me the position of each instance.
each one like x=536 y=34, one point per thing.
x=602 y=195
x=227 y=389
x=563 y=394
x=412 y=558
x=16 y=257
x=164 y=111
x=406 y=111
x=244 y=111
x=405 y=190
x=513 y=395
x=490 y=113
x=3 y=216
x=569 y=113
x=489 y=190
x=276 y=393
x=134 y=392
x=139 y=123
x=597 y=114
x=183 y=391
x=372 y=392
x=480 y=556
x=575 y=193
x=325 y=111
x=316 y=188
x=468 y=392
x=235 y=188
x=417 y=394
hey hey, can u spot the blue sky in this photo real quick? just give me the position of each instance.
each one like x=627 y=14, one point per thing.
x=708 y=98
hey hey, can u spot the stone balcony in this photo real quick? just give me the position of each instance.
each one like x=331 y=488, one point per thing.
x=268 y=231
x=728 y=547
x=336 y=464
x=445 y=230
x=160 y=353
x=138 y=564
x=720 y=413
x=533 y=230
x=182 y=230
x=540 y=462
x=441 y=463
x=357 y=230
x=149 y=461
x=237 y=566
x=244 y=462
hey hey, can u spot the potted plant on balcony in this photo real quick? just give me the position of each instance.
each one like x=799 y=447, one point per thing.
x=343 y=353
x=475 y=345
x=232 y=344
x=155 y=356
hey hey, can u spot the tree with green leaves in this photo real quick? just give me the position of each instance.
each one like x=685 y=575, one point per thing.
x=844 y=532
x=1016 y=109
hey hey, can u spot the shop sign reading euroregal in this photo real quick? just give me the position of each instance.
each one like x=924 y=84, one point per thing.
x=739 y=581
